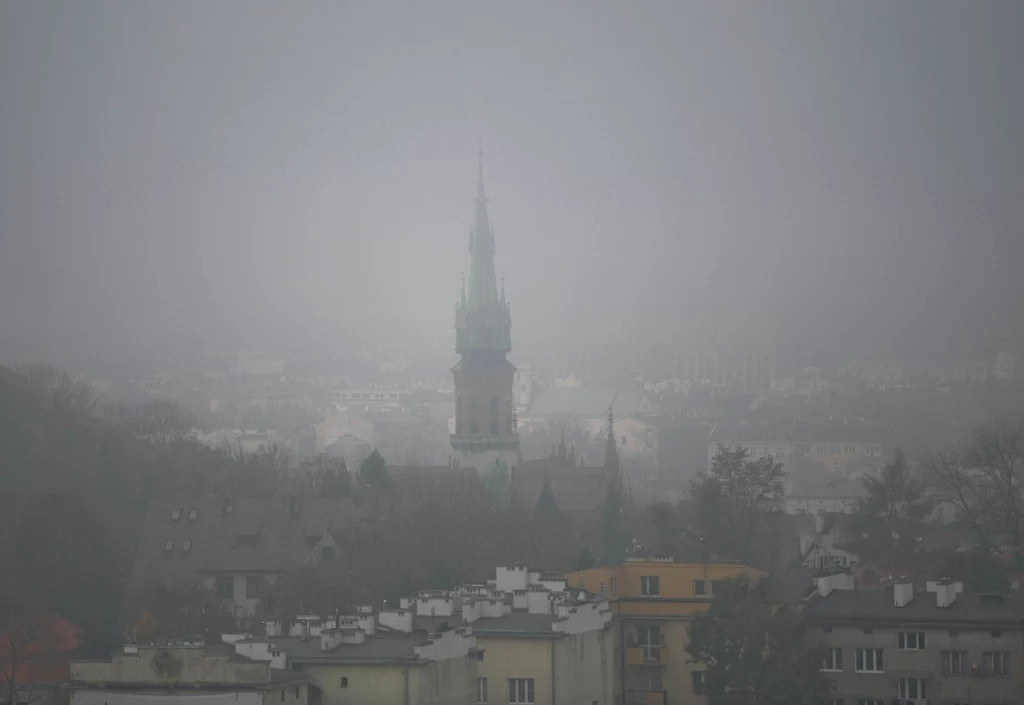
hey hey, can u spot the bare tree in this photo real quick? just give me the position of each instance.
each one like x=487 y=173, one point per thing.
x=983 y=483
x=30 y=647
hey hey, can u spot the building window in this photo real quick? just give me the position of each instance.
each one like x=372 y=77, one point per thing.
x=168 y=546
x=910 y=640
x=175 y=514
x=252 y=586
x=868 y=660
x=912 y=688
x=954 y=662
x=995 y=663
x=650 y=585
x=193 y=514
x=186 y=545
x=699 y=588
x=344 y=681
x=225 y=587
x=780 y=453
x=480 y=655
x=996 y=633
x=611 y=585
x=869 y=630
x=648 y=638
x=520 y=690
x=833 y=660
x=716 y=587
x=481 y=690
x=697 y=683
x=871 y=702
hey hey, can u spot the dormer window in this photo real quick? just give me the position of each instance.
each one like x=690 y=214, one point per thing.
x=175 y=514
x=169 y=545
x=193 y=514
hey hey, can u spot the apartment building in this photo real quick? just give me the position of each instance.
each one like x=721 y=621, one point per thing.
x=940 y=646
x=653 y=598
x=522 y=638
x=183 y=673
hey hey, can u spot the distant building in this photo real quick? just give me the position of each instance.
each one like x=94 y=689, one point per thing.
x=486 y=435
x=193 y=674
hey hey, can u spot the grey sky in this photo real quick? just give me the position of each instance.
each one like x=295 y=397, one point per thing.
x=245 y=172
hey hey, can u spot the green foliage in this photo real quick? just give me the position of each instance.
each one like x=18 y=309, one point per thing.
x=585 y=560
x=979 y=572
x=373 y=472
x=727 y=505
x=891 y=521
x=755 y=653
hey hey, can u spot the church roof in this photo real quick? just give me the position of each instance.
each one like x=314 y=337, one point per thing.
x=588 y=402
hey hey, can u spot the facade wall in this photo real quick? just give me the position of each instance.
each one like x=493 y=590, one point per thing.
x=114 y=697
x=927 y=664
x=448 y=682
x=366 y=685
x=517 y=657
x=585 y=668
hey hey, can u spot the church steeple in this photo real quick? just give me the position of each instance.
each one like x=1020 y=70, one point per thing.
x=483 y=285
x=611 y=453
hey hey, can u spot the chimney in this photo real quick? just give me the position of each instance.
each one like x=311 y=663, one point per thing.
x=304 y=625
x=902 y=591
x=945 y=590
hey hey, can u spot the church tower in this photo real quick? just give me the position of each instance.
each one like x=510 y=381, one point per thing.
x=486 y=435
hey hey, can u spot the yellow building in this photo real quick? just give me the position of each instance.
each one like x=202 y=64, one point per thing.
x=653 y=598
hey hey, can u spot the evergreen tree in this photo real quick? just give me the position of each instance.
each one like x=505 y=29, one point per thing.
x=614 y=534
x=373 y=472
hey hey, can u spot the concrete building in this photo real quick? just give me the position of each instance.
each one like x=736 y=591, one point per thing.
x=184 y=674
x=523 y=637
x=942 y=645
x=653 y=598
x=235 y=547
x=541 y=641
x=370 y=659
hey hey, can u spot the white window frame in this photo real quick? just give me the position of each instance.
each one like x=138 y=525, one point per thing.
x=175 y=515
x=954 y=663
x=833 y=662
x=646 y=582
x=860 y=660
x=481 y=690
x=193 y=514
x=995 y=663
x=910 y=641
x=186 y=546
x=521 y=691
x=912 y=688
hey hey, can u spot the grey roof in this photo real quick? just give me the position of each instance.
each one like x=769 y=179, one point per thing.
x=512 y=623
x=280 y=535
x=588 y=402
x=790 y=589
x=877 y=605
x=381 y=647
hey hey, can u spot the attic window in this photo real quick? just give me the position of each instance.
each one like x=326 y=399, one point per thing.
x=186 y=545
x=193 y=514
x=169 y=545
x=175 y=514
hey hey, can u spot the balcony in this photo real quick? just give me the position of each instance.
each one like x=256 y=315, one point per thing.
x=645 y=697
x=646 y=655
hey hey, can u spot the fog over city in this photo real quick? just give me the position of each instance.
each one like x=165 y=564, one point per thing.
x=487 y=353
x=251 y=174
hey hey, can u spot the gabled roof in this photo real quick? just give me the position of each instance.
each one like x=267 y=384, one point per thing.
x=259 y=535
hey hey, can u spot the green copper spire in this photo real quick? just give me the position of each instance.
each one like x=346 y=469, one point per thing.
x=483 y=285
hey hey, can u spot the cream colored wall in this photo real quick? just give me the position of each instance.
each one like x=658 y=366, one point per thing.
x=515 y=658
x=367 y=685
x=585 y=668
x=447 y=682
